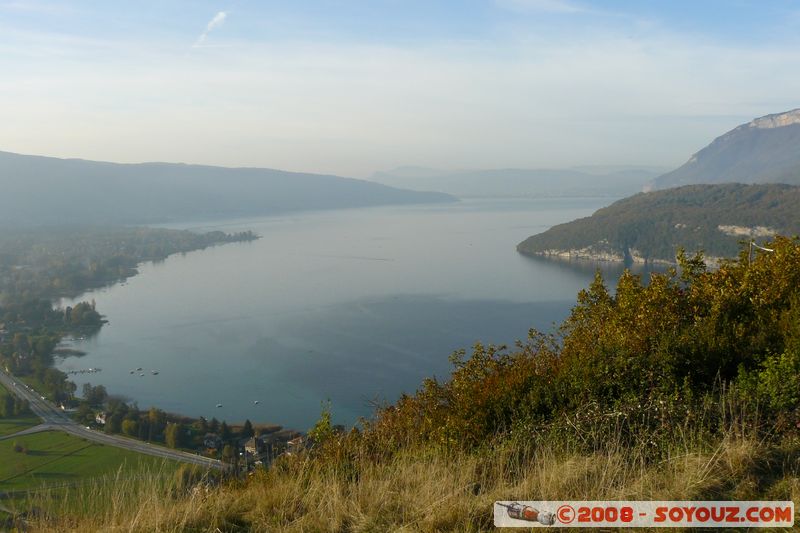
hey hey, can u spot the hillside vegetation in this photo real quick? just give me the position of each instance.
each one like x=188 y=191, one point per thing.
x=686 y=387
x=653 y=226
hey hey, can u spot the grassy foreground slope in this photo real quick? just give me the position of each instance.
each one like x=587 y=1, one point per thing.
x=652 y=226
x=432 y=491
x=687 y=387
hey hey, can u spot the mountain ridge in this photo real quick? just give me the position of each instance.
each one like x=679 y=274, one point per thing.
x=764 y=150
x=603 y=181
x=44 y=190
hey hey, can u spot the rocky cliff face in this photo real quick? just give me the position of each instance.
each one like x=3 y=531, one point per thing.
x=765 y=150
x=779 y=120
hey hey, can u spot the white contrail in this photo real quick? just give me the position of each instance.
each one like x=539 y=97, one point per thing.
x=554 y=6
x=218 y=19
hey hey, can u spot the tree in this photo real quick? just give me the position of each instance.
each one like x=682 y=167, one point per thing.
x=130 y=427
x=84 y=315
x=172 y=435
x=94 y=395
x=323 y=431
x=144 y=429
x=157 y=420
x=228 y=453
x=224 y=432
x=7 y=406
x=85 y=412
x=247 y=430
x=114 y=422
x=21 y=407
x=201 y=425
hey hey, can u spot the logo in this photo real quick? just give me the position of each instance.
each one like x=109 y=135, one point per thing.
x=526 y=513
x=617 y=514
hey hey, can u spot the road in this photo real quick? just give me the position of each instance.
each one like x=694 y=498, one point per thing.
x=54 y=419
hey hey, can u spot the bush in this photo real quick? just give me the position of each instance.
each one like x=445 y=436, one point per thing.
x=775 y=385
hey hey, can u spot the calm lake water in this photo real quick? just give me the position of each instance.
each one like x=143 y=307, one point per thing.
x=355 y=306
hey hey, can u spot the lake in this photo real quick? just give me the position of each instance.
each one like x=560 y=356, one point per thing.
x=353 y=306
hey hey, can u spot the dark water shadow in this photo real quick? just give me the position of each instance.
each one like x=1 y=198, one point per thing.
x=611 y=271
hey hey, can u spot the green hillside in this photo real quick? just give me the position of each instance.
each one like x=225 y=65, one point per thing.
x=652 y=226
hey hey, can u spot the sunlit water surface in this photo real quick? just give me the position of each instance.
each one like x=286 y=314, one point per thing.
x=353 y=306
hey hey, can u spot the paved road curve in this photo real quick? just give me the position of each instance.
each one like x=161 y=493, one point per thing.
x=55 y=419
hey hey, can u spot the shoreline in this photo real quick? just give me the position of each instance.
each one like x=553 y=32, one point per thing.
x=584 y=255
x=591 y=255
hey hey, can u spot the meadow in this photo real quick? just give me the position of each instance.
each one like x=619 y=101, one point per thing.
x=45 y=466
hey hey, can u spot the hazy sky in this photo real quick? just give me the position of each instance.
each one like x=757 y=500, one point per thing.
x=349 y=87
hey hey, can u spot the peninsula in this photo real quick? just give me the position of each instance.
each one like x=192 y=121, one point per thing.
x=650 y=227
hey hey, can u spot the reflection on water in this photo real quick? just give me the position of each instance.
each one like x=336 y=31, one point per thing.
x=354 y=306
x=610 y=271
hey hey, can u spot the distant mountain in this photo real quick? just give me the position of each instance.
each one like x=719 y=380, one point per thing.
x=520 y=182
x=766 y=150
x=45 y=190
x=649 y=227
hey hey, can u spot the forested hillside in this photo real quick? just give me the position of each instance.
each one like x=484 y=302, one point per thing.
x=652 y=226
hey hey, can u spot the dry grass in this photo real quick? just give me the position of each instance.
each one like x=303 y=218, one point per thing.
x=424 y=490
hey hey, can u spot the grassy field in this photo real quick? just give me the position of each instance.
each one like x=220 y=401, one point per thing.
x=55 y=458
x=9 y=426
x=17 y=423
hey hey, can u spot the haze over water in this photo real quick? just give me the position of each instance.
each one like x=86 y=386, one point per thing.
x=354 y=306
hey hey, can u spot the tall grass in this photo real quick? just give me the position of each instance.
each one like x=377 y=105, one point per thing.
x=423 y=488
x=419 y=491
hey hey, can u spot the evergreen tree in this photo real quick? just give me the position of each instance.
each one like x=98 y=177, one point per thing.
x=224 y=432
